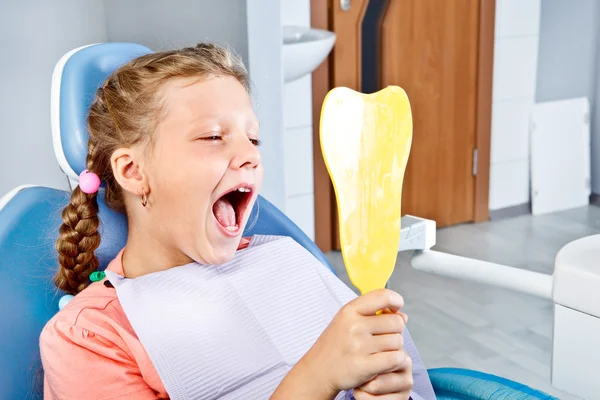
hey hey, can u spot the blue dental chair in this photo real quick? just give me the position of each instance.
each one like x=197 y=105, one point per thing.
x=30 y=218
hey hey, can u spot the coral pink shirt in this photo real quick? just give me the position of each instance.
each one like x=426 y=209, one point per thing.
x=90 y=351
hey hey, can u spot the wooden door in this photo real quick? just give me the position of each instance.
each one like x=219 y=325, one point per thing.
x=441 y=53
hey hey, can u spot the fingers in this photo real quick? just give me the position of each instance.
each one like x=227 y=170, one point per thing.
x=389 y=342
x=397 y=312
x=377 y=300
x=395 y=382
x=385 y=323
x=388 y=361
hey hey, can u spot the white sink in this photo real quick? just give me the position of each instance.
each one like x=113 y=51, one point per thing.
x=304 y=49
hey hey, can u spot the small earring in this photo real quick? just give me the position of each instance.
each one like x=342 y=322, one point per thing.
x=144 y=199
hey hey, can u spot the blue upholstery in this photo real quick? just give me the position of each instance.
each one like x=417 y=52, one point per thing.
x=271 y=221
x=29 y=227
x=82 y=74
x=464 y=384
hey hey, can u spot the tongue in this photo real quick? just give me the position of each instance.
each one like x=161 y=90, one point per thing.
x=224 y=212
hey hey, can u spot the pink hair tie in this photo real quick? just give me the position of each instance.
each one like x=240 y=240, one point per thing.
x=89 y=182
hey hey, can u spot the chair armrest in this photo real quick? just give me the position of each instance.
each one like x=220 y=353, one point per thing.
x=464 y=384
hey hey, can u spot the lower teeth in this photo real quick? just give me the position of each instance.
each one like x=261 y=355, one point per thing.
x=232 y=228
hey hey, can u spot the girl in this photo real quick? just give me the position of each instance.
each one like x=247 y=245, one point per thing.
x=174 y=138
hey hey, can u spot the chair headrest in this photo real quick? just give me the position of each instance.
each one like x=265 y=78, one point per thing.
x=77 y=76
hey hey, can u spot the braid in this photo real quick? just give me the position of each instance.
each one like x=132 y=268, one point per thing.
x=78 y=238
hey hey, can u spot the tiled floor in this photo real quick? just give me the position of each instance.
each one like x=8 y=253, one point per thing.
x=462 y=324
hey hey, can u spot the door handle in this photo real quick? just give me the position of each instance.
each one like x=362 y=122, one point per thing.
x=345 y=4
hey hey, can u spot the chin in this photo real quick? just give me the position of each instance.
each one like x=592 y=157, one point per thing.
x=222 y=253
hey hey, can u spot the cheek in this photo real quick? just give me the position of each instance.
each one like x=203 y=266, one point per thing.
x=190 y=186
x=185 y=178
x=180 y=169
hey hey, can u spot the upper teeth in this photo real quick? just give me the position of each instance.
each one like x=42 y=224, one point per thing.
x=243 y=189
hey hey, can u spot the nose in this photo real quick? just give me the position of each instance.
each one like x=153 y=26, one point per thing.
x=245 y=154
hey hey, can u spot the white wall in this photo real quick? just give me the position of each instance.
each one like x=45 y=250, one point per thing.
x=514 y=88
x=567 y=65
x=595 y=110
x=163 y=25
x=567 y=51
x=264 y=62
x=297 y=119
x=33 y=36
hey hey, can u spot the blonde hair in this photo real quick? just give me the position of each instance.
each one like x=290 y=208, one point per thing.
x=124 y=113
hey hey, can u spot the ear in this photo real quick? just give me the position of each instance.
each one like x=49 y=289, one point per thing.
x=126 y=166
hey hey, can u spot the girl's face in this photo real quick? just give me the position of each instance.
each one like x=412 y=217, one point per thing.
x=205 y=170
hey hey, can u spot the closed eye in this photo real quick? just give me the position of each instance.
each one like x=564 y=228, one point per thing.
x=213 y=138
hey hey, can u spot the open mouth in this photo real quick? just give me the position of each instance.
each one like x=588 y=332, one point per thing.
x=230 y=209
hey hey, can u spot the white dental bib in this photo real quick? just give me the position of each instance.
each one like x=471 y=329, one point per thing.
x=234 y=331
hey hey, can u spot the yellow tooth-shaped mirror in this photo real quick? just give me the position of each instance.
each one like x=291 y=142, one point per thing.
x=365 y=140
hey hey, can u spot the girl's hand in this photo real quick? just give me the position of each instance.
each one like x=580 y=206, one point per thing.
x=361 y=349
x=393 y=386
